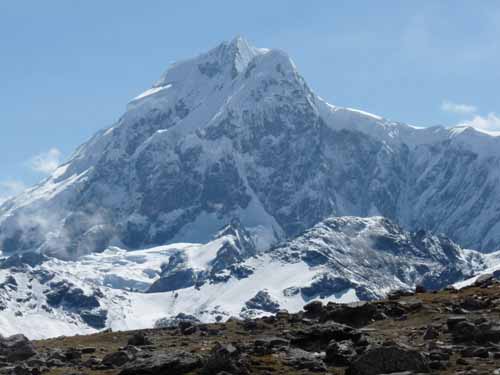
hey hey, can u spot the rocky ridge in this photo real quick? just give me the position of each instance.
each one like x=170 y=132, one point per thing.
x=341 y=259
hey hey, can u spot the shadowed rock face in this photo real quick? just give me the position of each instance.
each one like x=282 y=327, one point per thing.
x=387 y=360
x=16 y=348
x=361 y=254
x=236 y=132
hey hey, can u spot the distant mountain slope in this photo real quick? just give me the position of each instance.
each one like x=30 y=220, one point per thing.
x=342 y=259
x=237 y=133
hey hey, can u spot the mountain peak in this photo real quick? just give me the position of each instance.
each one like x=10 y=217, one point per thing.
x=239 y=52
x=229 y=57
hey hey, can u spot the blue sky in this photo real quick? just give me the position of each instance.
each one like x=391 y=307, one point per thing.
x=68 y=68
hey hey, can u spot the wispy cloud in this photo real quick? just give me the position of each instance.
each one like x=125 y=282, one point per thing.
x=46 y=162
x=461 y=109
x=10 y=188
x=490 y=122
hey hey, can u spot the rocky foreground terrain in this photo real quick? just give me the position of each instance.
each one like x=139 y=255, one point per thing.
x=447 y=332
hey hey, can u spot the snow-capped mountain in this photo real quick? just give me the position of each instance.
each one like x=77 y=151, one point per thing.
x=342 y=259
x=237 y=133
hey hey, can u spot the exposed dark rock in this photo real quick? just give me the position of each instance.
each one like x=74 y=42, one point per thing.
x=69 y=296
x=43 y=276
x=223 y=358
x=163 y=363
x=232 y=252
x=472 y=303
x=318 y=336
x=453 y=320
x=420 y=289
x=397 y=294
x=314 y=308
x=355 y=314
x=9 y=283
x=388 y=359
x=484 y=280
x=431 y=333
x=241 y=271
x=464 y=331
x=340 y=353
x=266 y=345
x=16 y=348
x=410 y=305
x=95 y=318
x=472 y=351
x=325 y=286
x=31 y=259
x=117 y=359
x=174 y=275
x=187 y=327
x=304 y=360
x=139 y=339
x=264 y=302
x=175 y=280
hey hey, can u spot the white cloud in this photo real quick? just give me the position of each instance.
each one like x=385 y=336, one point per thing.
x=46 y=162
x=491 y=122
x=10 y=188
x=461 y=109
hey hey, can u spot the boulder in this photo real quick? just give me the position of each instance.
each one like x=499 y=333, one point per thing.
x=163 y=363
x=340 y=353
x=223 y=358
x=314 y=308
x=304 y=360
x=398 y=293
x=117 y=359
x=16 y=348
x=139 y=339
x=268 y=344
x=464 y=331
x=474 y=352
x=453 y=320
x=388 y=359
x=356 y=314
x=473 y=304
x=318 y=336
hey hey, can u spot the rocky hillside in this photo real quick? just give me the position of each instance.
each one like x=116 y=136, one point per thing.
x=237 y=133
x=446 y=332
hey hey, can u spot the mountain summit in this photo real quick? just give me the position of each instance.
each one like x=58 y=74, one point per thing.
x=236 y=133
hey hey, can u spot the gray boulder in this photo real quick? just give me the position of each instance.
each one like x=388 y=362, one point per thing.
x=163 y=363
x=386 y=360
x=16 y=348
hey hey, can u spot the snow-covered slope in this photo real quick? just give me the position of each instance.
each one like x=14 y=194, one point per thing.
x=492 y=263
x=237 y=133
x=342 y=259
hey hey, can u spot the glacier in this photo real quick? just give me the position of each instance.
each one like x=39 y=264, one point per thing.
x=341 y=259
